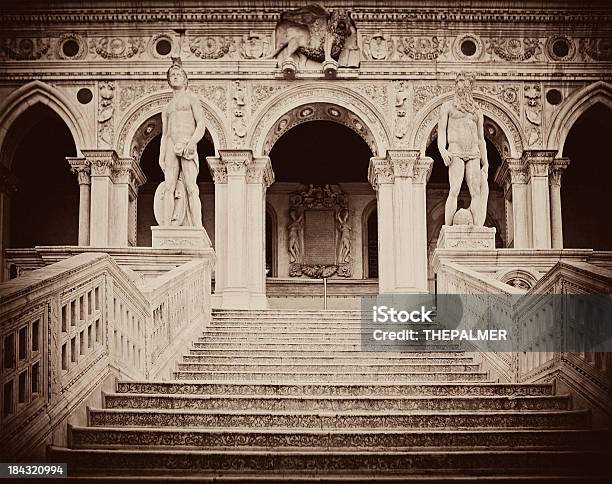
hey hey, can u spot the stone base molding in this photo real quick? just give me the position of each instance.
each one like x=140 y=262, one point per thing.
x=175 y=237
x=466 y=237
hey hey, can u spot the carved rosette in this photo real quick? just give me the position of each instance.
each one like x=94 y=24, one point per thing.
x=82 y=169
x=24 y=48
x=116 y=48
x=515 y=49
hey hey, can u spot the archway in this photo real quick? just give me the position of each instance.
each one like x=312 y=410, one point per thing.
x=326 y=160
x=585 y=200
x=44 y=209
x=145 y=148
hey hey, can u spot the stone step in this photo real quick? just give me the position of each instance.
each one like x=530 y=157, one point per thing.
x=96 y=437
x=251 y=352
x=337 y=389
x=568 y=419
x=318 y=463
x=338 y=403
x=196 y=356
x=237 y=346
x=381 y=368
x=321 y=377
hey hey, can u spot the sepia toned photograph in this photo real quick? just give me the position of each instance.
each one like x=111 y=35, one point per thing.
x=289 y=241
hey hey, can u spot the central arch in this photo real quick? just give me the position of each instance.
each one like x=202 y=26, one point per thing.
x=356 y=112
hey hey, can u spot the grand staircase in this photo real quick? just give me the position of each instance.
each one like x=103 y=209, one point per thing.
x=288 y=396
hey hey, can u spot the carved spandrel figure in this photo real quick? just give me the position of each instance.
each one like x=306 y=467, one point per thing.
x=462 y=145
x=177 y=198
x=295 y=237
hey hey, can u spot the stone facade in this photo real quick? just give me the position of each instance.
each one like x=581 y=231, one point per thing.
x=108 y=86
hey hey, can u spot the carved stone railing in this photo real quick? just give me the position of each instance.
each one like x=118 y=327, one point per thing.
x=586 y=374
x=487 y=301
x=543 y=329
x=68 y=329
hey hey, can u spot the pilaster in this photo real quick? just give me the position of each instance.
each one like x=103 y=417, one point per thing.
x=101 y=163
x=559 y=165
x=241 y=182
x=513 y=176
x=127 y=177
x=538 y=162
x=80 y=166
x=399 y=180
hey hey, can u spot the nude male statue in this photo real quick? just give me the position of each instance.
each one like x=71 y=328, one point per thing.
x=182 y=128
x=462 y=146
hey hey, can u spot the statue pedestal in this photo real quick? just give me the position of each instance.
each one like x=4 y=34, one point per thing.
x=176 y=237
x=466 y=237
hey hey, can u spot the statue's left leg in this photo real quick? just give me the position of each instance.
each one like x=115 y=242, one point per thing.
x=190 y=175
x=472 y=178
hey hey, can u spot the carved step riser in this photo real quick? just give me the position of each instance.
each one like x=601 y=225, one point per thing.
x=332 y=377
x=147 y=418
x=171 y=438
x=380 y=464
x=334 y=355
x=195 y=357
x=336 y=404
x=285 y=368
x=347 y=390
x=235 y=347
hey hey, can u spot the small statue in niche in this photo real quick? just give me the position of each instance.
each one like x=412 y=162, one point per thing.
x=344 y=239
x=295 y=229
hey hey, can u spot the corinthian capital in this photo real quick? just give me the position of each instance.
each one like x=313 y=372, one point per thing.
x=80 y=166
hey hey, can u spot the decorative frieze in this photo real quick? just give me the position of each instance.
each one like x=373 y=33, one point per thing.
x=596 y=49
x=515 y=49
x=21 y=48
x=116 y=48
x=378 y=46
x=421 y=48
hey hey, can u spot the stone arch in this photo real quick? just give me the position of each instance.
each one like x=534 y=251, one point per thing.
x=521 y=278
x=359 y=108
x=573 y=107
x=39 y=92
x=143 y=111
x=369 y=210
x=427 y=120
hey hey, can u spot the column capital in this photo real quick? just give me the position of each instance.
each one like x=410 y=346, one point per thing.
x=236 y=161
x=380 y=172
x=403 y=162
x=217 y=169
x=260 y=171
x=80 y=166
x=8 y=181
x=538 y=161
x=101 y=161
x=422 y=169
x=557 y=168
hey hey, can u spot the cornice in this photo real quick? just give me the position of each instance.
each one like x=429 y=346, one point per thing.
x=190 y=15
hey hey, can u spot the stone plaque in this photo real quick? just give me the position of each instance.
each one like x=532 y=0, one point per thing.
x=319 y=237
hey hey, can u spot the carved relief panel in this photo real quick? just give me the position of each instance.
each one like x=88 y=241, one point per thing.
x=319 y=233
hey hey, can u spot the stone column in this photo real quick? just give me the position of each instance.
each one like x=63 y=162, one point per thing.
x=513 y=176
x=102 y=163
x=8 y=186
x=219 y=174
x=380 y=175
x=127 y=177
x=399 y=180
x=81 y=167
x=556 y=222
x=422 y=170
x=240 y=183
x=538 y=162
x=259 y=177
